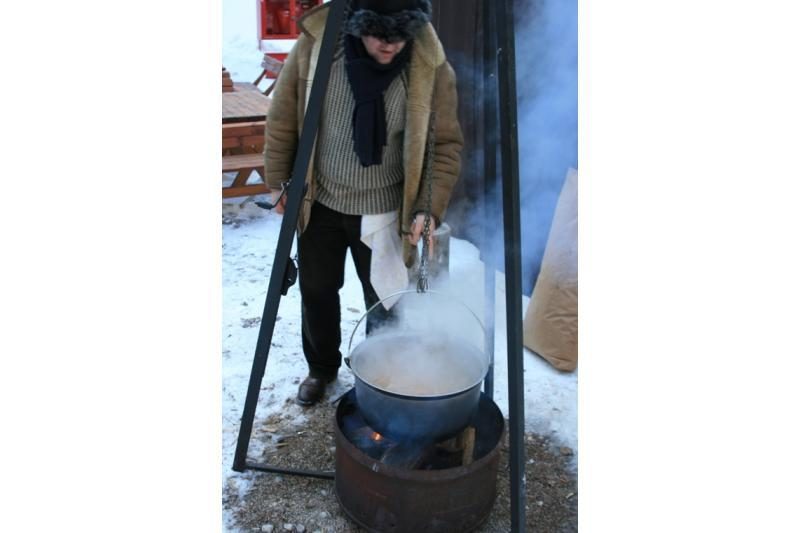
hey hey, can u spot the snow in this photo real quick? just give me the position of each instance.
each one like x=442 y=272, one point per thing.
x=249 y=239
x=242 y=58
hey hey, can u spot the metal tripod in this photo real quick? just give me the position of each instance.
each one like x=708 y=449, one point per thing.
x=498 y=20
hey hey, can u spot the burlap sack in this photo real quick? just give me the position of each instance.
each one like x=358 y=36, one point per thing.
x=550 y=328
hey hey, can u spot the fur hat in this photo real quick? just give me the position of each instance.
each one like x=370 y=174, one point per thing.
x=390 y=20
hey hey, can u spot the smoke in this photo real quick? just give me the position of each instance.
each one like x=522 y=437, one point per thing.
x=547 y=107
x=547 y=101
x=441 y=312
x=546 y=39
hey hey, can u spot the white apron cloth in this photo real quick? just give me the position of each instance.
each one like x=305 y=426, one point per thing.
x=388 y=273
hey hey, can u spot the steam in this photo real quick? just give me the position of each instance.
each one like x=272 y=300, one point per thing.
x=433 y=346
x=436 y=314
x=547 y=121
x=546 y=70
x=547 y=89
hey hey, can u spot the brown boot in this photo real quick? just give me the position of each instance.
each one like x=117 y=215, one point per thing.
x=312 y=390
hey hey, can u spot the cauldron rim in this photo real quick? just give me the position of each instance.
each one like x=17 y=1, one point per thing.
x=352 y=361
x=421 y=397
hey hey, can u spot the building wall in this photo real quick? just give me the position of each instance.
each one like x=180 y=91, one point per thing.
x=240 y=20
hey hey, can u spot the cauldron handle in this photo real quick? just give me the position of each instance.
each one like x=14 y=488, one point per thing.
x=400 y=293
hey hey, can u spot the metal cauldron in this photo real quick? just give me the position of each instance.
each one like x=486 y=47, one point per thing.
x=417 y=385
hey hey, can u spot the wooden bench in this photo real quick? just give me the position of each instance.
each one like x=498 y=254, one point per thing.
x=242 y=152
x=243 y=138
x=244 y=165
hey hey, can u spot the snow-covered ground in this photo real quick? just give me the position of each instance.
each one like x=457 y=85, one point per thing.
x=248 y=240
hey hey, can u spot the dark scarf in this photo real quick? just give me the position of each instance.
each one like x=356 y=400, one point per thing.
x=368 y=81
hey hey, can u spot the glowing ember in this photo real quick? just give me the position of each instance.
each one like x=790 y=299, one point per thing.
x=376 y=436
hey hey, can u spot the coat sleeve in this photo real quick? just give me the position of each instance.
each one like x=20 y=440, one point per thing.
x=281 y=131
x=448 y=144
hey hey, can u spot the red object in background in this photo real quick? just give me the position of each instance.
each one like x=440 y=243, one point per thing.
x=269 y=21
x=280 y=57
x=284 y=21
x=278 y=17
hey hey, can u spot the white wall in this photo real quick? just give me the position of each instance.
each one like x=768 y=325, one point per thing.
x=240 y=42
x=240 y=20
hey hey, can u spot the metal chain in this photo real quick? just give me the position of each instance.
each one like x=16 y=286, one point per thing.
x=422 y=282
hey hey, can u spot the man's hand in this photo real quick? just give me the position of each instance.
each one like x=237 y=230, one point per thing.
x=416 y=232
x=280 y=206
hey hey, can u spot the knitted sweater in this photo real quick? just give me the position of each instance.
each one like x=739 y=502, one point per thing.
x=345 y=185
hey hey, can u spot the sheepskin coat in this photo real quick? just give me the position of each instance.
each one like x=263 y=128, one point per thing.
x=431 y=85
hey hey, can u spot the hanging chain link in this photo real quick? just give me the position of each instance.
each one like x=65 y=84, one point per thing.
x=422 y=282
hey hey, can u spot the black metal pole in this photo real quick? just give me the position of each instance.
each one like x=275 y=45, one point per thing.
x=489 y=204
x=286 y=236
x=511 y=225
x=291 y=471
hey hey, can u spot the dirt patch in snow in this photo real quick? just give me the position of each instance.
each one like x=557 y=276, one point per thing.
x=282 y=503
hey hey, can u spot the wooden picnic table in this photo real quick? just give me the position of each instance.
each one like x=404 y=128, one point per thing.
x=244 y=115
x=244 y=106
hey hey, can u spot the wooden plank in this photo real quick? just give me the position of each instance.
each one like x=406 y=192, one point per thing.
x=241 y=179
x=237 y=129
x=250 y=149
x=252 y=124
x=244 y=106
x=231 y=142
x=469 y=446
x=243 y=130
x=231 y=163
x=253 y=140
x=246 y=190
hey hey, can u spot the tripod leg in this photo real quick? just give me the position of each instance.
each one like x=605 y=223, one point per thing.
x=284 y=247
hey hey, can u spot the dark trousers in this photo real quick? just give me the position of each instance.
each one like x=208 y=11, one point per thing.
x=321 y=261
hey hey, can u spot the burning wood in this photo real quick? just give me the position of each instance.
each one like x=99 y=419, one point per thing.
x=450 y=453
x=467 y=439
x=407 y=456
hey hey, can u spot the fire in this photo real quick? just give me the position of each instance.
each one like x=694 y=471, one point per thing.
x=376 y=436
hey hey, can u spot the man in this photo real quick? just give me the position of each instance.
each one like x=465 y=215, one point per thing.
x=389 y=73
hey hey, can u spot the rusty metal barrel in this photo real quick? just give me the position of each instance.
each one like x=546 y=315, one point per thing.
x=385 y=498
